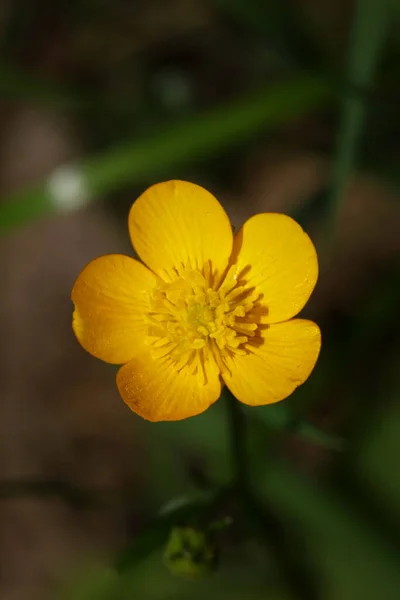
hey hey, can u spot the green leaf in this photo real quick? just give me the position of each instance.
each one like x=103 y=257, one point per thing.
x=280 y=417
x=353 y=558
x=377 y=460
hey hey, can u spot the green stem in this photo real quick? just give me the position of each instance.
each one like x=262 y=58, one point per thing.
x=237 y=424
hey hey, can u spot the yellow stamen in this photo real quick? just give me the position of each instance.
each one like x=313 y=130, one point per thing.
x=201 y=327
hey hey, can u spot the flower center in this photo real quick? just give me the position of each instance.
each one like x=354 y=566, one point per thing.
x=192 y=323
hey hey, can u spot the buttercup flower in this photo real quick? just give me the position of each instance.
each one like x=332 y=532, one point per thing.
x=205 y=308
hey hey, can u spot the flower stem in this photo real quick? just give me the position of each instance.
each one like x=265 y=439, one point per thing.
x=237 y=425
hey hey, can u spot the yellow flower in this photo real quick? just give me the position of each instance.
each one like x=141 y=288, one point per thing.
x=208 y=308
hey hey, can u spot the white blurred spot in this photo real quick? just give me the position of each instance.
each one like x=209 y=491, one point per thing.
x=68 y=188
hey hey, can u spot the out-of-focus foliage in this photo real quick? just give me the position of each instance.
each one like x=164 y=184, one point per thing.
x=210 y=91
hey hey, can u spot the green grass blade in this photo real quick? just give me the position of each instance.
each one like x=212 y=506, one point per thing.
x=203 y=136
x=366 y=46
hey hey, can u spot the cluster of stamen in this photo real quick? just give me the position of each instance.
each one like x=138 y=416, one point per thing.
x=197 y=323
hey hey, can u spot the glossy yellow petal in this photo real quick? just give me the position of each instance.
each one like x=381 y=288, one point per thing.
x=155 y=390
x=179 y=224
x=272 y=371
x=277 y=258
x=111 y=297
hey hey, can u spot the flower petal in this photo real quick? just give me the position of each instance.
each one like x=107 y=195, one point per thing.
x=278 y=258
x=272 y=371
x=175 y=224
x=156 y=391
x=111 y=298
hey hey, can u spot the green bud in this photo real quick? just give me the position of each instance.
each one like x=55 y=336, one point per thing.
x=190 y=553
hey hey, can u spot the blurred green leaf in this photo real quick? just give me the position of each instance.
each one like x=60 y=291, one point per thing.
x=203 y=136
x=15 y=84
x=91 y=583
x=238 y=576
x=204 y=438
x=367 y=39
x=280 y=416
x=189 y=511
x=354 y=560
x=377 y=459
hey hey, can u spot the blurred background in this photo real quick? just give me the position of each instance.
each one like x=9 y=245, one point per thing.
x=284 y=105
